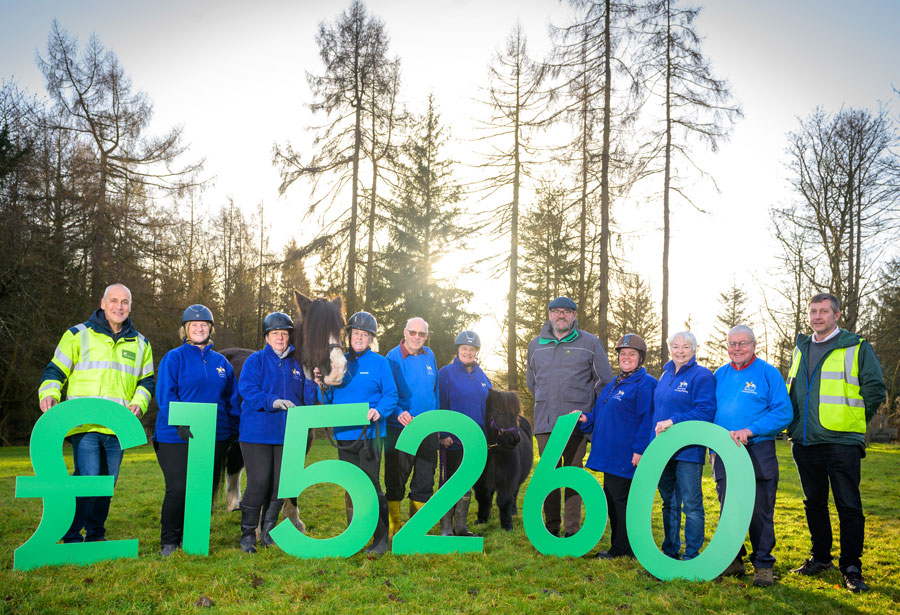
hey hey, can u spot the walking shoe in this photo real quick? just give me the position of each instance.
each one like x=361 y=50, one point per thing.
x=812 y=566
x=168 y=550
x=763 y=577
x=735 y=568
x=854 y=581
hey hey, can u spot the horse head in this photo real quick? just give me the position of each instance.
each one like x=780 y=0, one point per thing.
x=501 y=417
x=317 y=338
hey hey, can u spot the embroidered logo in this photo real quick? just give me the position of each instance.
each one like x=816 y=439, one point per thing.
x=428 y=368
x=221 y=371
x=682 y=387
x=363 y=373
x=619 y=395
x=127 y=354
x=749 y=387
x=484 y=385
x=295 y=373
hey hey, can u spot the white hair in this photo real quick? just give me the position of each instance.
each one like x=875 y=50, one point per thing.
x=112 y=286
x=738 y=329
x=425 y=322
x=686 y=336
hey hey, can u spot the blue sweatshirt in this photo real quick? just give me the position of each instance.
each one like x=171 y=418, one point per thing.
x=193 y=374
x=622 y=424
x=416 y=376
x=754 y=398
x=689 y=395
x=265 y=378
x=368 y=380
x=463 y=391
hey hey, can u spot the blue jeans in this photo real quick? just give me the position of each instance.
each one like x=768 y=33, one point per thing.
x=680 y=487
x=95 y=454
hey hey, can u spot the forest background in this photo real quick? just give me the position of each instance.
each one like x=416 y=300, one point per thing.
x=464 y=163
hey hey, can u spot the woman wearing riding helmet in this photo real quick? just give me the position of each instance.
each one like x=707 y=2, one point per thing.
x=193 y=372
x=622 y=425
x=369 y=380
x=271 y=382
x=462 y=387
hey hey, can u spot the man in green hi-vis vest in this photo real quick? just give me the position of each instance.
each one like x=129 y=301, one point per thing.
x=106 y=358
x=836 y=387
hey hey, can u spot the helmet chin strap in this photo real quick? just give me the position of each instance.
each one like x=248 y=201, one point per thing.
x=193 y=343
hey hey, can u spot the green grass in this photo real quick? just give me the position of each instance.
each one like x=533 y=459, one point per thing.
x=510 y=577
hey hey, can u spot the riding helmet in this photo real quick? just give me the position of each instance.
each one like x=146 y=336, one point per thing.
x=197 y=312
x=364 y=322
x=468 y=337
x=277 y=321
x=634 y=341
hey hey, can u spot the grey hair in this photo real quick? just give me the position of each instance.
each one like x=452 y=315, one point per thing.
x=417 y=318
x=112 y=286
x=735 y=330
x=686 y=336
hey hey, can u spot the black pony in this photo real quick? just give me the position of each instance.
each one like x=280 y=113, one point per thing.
x=510 y=456
x=317 y=344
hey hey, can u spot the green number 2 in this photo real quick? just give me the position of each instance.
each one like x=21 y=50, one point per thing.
x=413 y=537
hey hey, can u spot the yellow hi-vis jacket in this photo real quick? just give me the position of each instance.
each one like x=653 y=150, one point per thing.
x=841 y=407
x=93 y=362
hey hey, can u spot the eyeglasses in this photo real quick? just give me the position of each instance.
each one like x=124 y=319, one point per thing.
x=561 y=312
x=422 y=334
x=743 y=344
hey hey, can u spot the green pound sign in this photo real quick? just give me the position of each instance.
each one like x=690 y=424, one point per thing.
x=52 y=483
x=295 y=478
x=739 y=499
x=413 y=537
x=201 y=418
x=547 y=477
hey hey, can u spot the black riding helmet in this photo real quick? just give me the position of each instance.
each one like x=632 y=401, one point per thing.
x=364 y=322
x=197 y=312
x=468 y=337
x=277 y=321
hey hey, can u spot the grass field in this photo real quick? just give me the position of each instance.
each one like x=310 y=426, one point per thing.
x=510 y=577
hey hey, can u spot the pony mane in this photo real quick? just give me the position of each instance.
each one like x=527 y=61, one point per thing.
x=319 y=322
x=503 y=403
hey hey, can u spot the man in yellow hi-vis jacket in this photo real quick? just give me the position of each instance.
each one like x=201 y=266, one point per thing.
x=835 y=386
x=104 y=358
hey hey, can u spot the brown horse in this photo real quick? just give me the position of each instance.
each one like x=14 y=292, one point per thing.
x=317 y=344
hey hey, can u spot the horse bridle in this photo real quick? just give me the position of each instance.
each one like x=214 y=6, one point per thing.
x=501 y=431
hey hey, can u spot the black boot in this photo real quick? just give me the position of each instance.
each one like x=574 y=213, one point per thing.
x=380 y=542
x=270 y=520
x=447 y=522
x=460 y=517
x=249 y=522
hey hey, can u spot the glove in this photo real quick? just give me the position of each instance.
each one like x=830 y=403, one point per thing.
x=184 y=432
x=283 y=404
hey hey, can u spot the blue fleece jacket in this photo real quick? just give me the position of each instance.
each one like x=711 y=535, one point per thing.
x=754 y=398
x=368 y=380
x=689 y=395
x=416 y=377
x=463 y=391
x=193 y=374
x=621 y=423
x=265 y=378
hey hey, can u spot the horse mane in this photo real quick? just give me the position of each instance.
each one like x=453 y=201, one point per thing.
x=503 y=403
x=320 y=320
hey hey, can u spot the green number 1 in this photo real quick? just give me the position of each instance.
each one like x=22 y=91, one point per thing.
x=413 y=537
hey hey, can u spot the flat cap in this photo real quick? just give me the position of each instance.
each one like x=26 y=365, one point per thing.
x=562 y=303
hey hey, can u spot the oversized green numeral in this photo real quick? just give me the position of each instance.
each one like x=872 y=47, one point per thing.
x=295 y=478
x=739 y=499
x=201 y=418
x=413 y=537
x=548 y=477
x=52 y=482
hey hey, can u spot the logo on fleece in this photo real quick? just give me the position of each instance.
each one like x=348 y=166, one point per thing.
x=296 y=374
x=749 y=387
x=682 y=387
x=619 y=395
x=221 y=371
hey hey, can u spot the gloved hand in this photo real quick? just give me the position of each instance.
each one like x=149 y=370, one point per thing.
x=283 y=404
x=184 y=432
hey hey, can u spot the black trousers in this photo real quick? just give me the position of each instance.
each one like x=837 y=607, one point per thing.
x=616 y=489
x=366 y=455
x=263 y=465
x=398 y=465
x=838 y=464
x=762 y=522
x=172 y=458
x=573 y=455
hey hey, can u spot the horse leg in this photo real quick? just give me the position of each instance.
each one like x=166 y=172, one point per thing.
x=484 y=496
x=506 y=502
x=290 y=511
x=234 y=465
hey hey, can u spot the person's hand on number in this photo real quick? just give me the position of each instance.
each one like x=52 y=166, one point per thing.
x=373 y=415
x=405 y=418
x=446 y=442
x=663 y=425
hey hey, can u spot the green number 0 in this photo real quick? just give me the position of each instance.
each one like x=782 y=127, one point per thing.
x=548 y=477
x=736 y=512
x=295 y=478
x=413 y=537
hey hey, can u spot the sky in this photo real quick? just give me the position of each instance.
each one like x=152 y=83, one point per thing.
x=232 y=73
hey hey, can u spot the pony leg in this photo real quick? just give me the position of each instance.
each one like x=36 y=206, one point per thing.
x=233 y=491
x=290 y=511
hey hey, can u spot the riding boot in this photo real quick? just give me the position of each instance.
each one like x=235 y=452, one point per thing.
x=447 y=522
x=394 y=523
x=249 y=521
x=460 y=517
x=270 y=520
x=379 y=544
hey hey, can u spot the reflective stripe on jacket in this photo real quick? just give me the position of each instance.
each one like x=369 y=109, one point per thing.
x=841 y=406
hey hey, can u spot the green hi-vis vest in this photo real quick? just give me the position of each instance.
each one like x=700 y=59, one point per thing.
x=841 y=407
x=96 y=366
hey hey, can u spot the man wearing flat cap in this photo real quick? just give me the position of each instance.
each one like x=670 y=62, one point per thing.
x=566 y=369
